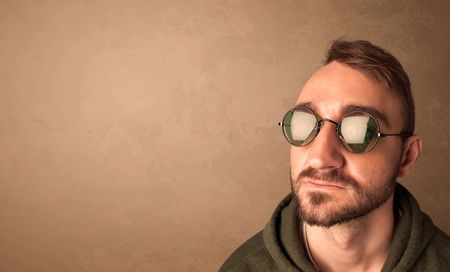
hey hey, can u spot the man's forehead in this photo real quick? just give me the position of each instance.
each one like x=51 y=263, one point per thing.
x=336 y=89
x=339 y=80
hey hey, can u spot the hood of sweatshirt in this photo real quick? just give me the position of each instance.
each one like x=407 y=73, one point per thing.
x=413 y=232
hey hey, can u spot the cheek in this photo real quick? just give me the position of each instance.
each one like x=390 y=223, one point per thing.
x=297 y=161
x=374 y=170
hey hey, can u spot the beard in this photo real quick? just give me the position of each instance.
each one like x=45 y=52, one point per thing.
x=318 y=208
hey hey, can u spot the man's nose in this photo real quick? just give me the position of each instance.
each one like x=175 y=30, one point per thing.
x=325 y=152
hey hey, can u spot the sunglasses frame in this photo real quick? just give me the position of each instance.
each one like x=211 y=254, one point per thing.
x=321 y=122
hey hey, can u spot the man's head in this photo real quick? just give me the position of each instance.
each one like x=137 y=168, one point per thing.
x=332 y=184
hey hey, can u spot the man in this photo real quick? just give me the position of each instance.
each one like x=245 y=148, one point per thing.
x=352 y=137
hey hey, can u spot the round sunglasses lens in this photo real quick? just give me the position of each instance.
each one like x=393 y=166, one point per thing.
x=299 y=126
x=359 y=132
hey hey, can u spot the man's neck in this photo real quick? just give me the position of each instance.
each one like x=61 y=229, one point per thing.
x=359 y=245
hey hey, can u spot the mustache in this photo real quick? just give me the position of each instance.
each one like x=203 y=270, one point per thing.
x=333 y=176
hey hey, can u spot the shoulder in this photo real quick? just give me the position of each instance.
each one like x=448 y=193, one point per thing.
x=439 y=247
x=436 y=255
x=250 y=256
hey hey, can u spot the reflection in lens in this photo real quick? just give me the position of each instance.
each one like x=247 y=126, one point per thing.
x=300 y=126
x=354 y=128
x=359 y=132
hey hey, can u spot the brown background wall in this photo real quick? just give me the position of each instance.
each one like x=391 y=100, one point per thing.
x=142 y=136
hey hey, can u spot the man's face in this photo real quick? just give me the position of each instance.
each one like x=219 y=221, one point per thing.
x=333 y=185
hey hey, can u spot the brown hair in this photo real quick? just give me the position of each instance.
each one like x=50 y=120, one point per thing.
x=380 y=65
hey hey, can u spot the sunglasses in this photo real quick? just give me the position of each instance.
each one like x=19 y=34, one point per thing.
x=358 y=131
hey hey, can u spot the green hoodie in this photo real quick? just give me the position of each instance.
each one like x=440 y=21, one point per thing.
x=418 y=245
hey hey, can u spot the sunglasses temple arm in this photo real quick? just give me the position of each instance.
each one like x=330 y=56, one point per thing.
x=403 y=134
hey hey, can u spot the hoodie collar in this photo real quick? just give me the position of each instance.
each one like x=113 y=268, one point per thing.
x=285 y=242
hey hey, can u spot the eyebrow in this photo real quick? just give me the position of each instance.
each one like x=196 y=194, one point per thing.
x=352 y=108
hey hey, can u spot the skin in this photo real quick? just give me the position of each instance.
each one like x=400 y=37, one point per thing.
x=361 y=244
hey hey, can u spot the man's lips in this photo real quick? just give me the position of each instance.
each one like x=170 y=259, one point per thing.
x=323 y=184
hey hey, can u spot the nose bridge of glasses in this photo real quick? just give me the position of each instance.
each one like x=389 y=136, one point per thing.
x=322 y=122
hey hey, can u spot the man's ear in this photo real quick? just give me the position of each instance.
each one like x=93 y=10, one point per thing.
x=411 y=153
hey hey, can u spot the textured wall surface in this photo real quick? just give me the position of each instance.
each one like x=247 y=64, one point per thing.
x=142 y=136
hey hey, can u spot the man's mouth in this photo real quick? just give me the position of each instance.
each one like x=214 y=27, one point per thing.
x=320 y=184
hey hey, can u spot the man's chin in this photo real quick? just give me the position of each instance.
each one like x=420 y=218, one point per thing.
x=324 y=210
x=320 y=215
x=327 y=219
x=324 y=221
